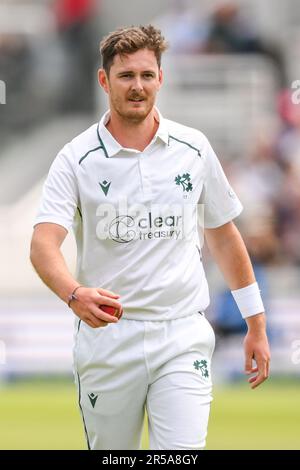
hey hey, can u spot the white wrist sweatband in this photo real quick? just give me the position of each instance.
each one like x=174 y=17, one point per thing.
x=248 y=300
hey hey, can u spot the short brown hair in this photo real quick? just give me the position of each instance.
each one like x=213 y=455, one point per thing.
x=130 y=40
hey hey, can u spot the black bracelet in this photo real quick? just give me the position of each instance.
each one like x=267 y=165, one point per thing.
x=73 y=296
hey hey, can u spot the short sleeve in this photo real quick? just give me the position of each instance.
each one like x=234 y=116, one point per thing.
x=221 y=204
x=59 y=200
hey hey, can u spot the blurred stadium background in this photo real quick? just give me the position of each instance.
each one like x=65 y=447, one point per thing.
x=229 y=73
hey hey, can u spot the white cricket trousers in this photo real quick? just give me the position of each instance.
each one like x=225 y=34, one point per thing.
x=164 y=366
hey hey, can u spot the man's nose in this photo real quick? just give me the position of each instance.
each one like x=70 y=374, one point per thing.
x=137 y=84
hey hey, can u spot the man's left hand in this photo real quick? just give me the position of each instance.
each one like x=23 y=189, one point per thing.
x=257 y=349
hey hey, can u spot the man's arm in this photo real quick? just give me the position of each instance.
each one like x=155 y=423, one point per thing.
x=49 y=263
x=228 y=249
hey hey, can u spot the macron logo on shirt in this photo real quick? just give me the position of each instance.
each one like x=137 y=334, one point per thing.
x=105 y=186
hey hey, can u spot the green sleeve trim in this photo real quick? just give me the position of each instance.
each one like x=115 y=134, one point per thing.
x=84 y=156
x=186 y=143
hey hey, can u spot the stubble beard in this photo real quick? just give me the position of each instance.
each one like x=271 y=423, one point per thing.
x=133 y=117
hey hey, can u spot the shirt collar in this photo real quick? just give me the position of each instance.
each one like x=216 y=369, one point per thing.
x=162 y=131
x=109 y=144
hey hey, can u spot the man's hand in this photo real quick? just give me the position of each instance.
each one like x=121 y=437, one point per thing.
x=256 y=348
x=86 y=307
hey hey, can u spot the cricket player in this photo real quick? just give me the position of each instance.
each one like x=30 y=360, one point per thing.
x=131 y=187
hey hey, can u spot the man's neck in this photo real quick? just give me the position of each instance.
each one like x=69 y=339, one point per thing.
x=133 y=135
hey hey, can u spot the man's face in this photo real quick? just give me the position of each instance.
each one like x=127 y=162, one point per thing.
x=132 y=84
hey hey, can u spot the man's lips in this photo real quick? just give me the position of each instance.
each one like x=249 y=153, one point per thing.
x=136 y=99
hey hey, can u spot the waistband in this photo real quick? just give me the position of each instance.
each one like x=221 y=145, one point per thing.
x=157 y=318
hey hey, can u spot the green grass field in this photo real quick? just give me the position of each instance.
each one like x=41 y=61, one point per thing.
x=44 y=415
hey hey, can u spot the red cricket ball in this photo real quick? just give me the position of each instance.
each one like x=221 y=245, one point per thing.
x=111 y=310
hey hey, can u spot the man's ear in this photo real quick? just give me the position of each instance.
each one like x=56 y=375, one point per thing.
x=160 y=78
x=103 y=79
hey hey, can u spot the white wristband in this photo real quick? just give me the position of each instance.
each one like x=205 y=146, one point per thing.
x=248 y=300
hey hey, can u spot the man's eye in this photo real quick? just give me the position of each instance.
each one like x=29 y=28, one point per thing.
x=148 y=75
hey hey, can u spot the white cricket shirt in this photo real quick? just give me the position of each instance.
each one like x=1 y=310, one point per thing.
x=134 y=215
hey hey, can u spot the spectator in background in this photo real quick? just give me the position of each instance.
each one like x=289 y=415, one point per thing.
x=287 y=154
x=226 y=30
x=287 y=145
x=185 y=27
x=231 y=32
x=258 y=178
x=75 y=27
x=269 y=184
x=288 y=208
